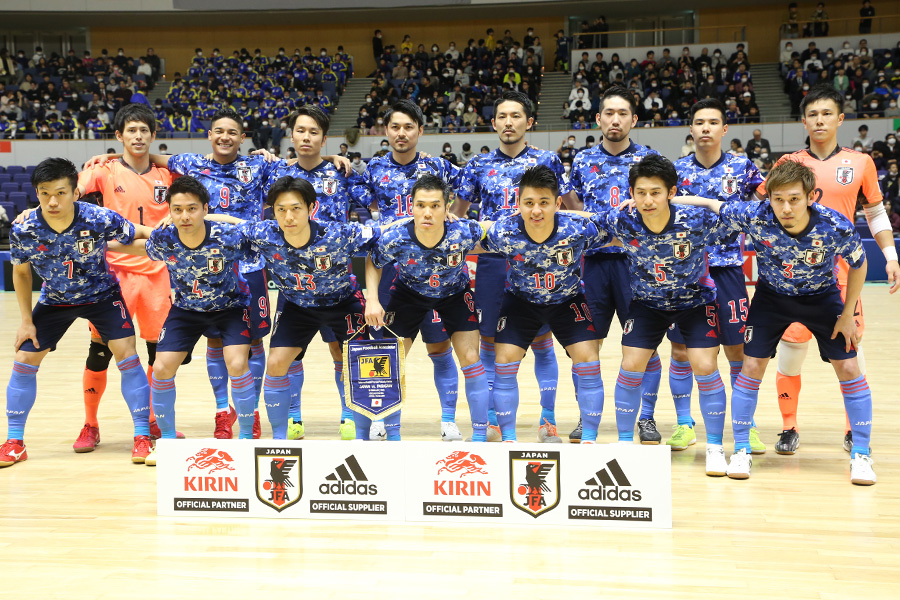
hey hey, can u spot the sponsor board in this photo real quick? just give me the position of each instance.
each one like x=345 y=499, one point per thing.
x=458 y=482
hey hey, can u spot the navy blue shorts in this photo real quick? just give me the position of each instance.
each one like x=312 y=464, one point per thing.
x=646 y=326
x=407 y=309
x=771 y=313
x=490 y=286
x=183 y=328
x=520 y=321
x=607 y=287
x=109 y=316
x=431 y=326
x=732 y=305
x=257 y=311
x=325 y=331
x=297 y=325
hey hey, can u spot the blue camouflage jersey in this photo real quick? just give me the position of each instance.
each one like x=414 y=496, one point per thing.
x=733 y=178
x=72 y=263
x=436 y=272
x=601 y=179
x=492 y=180
x=207 y=277
x=801 y=264
x=669 y=270
x=548 y=272
x=237 y=189
x=334 y=191
x=390 y=182
x=318 y=273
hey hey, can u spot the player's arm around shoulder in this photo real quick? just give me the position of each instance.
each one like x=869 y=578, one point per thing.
x=707 y=203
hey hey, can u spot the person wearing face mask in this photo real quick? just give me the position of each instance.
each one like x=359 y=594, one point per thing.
x=871 y=108
x=892 y=111
x=757 y=146
x=378 y=128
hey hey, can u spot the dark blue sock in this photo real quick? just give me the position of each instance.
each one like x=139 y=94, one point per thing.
x=506 y=398
x=712 y=405
x=477 y=397
x=743 y=405
x=628 y=402
x=243 y=392
x=392 y=426
x=218 y=376
x=277 y=397
x=446 y=380
x=295 y=375
x=163 y=393
x=136 y=391
x=650 y=387
x=546 y=370
x=20 y=395
x=681 y=383
x=590 y=398
x=858 y=403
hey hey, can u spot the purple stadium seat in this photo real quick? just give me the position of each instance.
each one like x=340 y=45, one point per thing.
x=10 y=187
x=5 y=177
x=13 y=169
x=23 y=179
x=19 y=200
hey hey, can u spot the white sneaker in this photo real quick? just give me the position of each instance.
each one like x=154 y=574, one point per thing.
x=377 y=432
x=739 y=468
x=150 y=459
x=716 y=465
x=861 y=472
x=450 y=432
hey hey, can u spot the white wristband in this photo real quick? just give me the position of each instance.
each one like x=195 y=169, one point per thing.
x=890 y=253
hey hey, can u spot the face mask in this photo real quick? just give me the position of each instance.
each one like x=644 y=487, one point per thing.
x=789 y=48
x=891 y=141
x=873 y=105
x=805 y=87
x=368 y=101
x=384 y=146
x=434 y=48
x=322 y=54
x=893 y=105
x=447 y=150
x=717 y=55
x=846 y=46
x=428 y=73
x=265 y=123
x=567 y=169
x=380 y=121
x=530 y=32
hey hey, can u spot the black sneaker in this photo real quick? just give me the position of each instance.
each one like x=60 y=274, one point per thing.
x=648 y=432
x=848 y=441
x=575 y=436
x=788 y=442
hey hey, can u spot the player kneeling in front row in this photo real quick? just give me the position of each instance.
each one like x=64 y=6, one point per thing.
x=797 y=242
x=66 y=243
x=202 y=258
x=670 y=283
x=430 y=256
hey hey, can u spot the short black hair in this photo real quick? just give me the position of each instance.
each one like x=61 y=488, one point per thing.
x=654 y=165
x=315 y=113
x=228 y=113
x=519 y=97
x=429 y=182
x=52 y=169
x=188 y=185
x=708 y=103
x=288 y=184
x=135 y=112
x=617 y=91
x=822 y=91
x=540 y=177
x=408 y=108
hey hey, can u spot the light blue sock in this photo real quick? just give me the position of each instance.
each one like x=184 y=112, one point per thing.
x=277 y=392
x=681 y=383
x=346 y=413
x=546 y=370
x=446 y=380
x=650 y=387
x=363 y=424
x=295 y=375
x=743 y=405
x=590 y=398
x=136 y=391
x=477 y=397
x=20 y=395
x=628 y=402
x=858 y=404
x=506 y=398
x=736 y=366
x=487 y=360
x=712 y=406
x=258 y=369
x=243 y=392
x=163 y=393
x=218 y=376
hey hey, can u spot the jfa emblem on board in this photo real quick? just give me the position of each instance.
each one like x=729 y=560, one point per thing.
x=329 y=186
x=681 y=250
x=278 y=477
x=159 y=193
x=215 y=263
x=374 y=367
x=844 y=175
x=565 y=257
x=729 y=185
x=534 y=481
x=244 y=174
x=323 y=263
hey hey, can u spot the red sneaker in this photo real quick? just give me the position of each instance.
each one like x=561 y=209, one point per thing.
x=87 y=439
x=257 y=428
x=142 y=447
x=11 y=452
x=155 y=432
x=224 y=422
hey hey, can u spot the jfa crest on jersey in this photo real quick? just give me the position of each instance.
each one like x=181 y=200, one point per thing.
x=317 y=274
x=548 y=272
x=801 y=264
x=390 y=183
x=244 y=173
x=492 y=180
x=436 y=272
x=731 y=179
x=72 y=263
x=601 y=179
x=668 y=269
x=205 y=278
x=159 y=192
x=335 y=193
x=844 y=175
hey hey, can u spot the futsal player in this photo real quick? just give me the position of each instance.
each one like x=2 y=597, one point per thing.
x=797 y=242
x=843 y=177
x=491 y=181
x=390 y=179
x=66 y=241
x=430 y=257
x=600 y=180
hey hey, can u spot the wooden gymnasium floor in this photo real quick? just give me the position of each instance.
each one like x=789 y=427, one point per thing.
x=85 y=526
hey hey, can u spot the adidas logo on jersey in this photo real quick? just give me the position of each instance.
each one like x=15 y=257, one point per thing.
x=610 y=483
x=120 y=189
x=348 y=478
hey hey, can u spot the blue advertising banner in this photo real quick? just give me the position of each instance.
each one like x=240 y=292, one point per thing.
x=374 y=376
